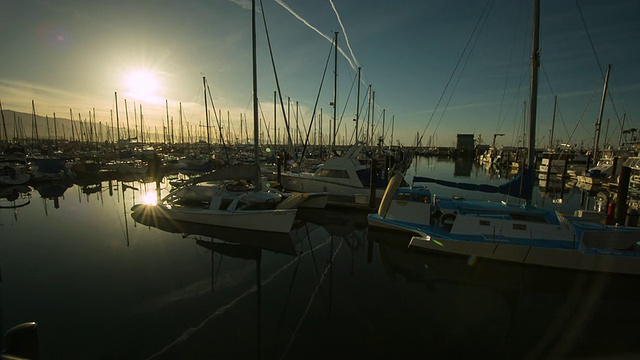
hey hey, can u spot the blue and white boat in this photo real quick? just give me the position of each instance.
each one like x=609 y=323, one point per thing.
x=499 y=231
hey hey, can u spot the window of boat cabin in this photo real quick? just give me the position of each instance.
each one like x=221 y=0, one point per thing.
x=519 y=227
x=342 y=174
x=529 y=217
x=485 y=223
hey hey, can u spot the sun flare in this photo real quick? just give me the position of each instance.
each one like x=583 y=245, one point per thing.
x=142 y=84
x=149 y=198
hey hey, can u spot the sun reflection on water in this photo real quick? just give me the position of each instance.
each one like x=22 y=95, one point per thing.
x=149 y=198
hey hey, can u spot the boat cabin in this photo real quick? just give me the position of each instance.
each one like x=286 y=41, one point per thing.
x=411 y=204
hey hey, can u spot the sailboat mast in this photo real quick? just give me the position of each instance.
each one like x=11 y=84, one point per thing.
x=4 y=125
x=117 y=119
x=256 y=148
x=126 y=115
x=553 y=121
x=55 y=128
x=141 y=125
x=533 y=104
x=599 y=124
x=335 y=87
x=206 y=110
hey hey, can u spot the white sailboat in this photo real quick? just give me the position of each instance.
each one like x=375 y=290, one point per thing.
x=231 y=197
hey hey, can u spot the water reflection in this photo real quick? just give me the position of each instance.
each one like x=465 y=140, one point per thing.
x=13 y=197
x=166 y=289
x=302 y=271
x=527 y=311
x=52 y=190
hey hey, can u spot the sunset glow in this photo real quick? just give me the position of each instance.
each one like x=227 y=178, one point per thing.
x=149 y=198
x=142 y=85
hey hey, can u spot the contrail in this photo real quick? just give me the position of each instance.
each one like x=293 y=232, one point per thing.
x=286 y=7
x=346 y=38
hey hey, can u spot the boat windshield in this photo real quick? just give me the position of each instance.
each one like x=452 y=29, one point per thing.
x=563 y=220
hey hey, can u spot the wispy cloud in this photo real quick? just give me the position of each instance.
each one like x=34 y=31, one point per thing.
x=17 y=95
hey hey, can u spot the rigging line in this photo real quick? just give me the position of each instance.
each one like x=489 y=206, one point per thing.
x=454 y=70
x=313 y=295
x=593 y=48
x=464 y=66
x=315 y=105
x=546 y=76
x=506 y=79
x=215 y=113
x=275 y=73
x=346 y=103
x=223 y=309
x=264 y=120
x=293 y=278
x=595 y=54
x=288 y=297
x=581 y=117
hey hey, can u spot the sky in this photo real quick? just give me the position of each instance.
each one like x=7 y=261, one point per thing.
x=435 y=68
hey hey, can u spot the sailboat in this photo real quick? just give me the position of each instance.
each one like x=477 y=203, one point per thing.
x=230 y=197
x=522 y=234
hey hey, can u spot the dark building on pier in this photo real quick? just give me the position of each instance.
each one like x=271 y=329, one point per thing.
x=465 y=145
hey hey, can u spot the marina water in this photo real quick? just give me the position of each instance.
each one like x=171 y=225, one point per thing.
x=102 y=285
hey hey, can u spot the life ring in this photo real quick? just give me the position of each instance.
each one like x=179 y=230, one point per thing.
x=447 y=220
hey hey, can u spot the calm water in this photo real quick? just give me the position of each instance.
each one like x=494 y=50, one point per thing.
x=102 y=285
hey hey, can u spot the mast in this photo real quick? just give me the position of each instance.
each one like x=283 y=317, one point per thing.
x=275 y=128
x=168 y=132
x=126 y=114
x=373 y=117
x=34 y=127
x=141 y=126
x=553 y=121
x=117 y=119
x=533 y=104
x=48 y=128
x=94 y=129
x=384 y=111
x=55 y=128
x=135 y=120
x=4 y=125
x=599 y=124
x=366 y=141
x=256 y=148
x=206 y=110
x=358 y=104
x=624 y=116
x=335 y=87
x=181 y=126
x=393 y=124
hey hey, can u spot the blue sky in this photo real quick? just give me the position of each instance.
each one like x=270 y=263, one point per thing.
x=431 y=72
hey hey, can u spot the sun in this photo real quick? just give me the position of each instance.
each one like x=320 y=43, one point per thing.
x=142 y=84
x=150 y=198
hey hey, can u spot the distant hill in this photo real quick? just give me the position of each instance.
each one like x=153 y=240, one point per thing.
x=21 y=126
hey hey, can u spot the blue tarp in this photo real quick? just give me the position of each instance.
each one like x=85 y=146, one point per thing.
x=521 y=186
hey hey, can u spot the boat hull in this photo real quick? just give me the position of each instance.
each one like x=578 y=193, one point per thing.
x=280 y=220
x=581 y=258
